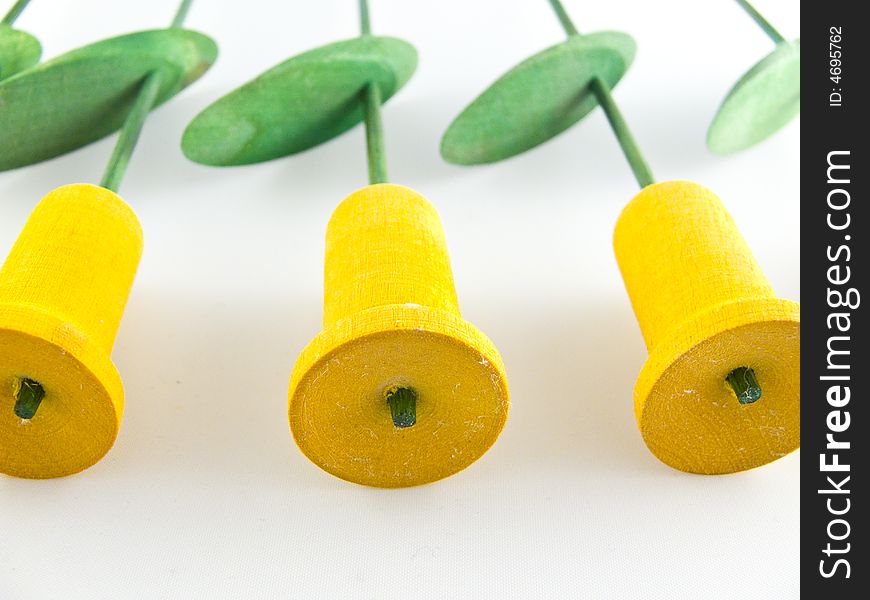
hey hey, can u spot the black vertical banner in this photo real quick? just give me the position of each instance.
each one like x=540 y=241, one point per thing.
x=835 y=342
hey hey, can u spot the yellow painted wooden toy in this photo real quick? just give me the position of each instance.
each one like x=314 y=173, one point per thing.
x=398 y=389
x=63 y=289
x=65 y=283
x=721 y=389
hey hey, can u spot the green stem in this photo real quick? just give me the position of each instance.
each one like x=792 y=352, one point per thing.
x=377 y=157
x=142 y=106
x=771 y=32
x=130 y=131
x=629 y=146
x=403 y=406
x=563 y=17
x=742 y=380
x=28 y=398
x=365 y=23
x=371 y=101
x=15 y=12
x=181 y=14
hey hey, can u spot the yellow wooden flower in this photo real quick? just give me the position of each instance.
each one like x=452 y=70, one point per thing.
x=706 y=310
x=63 y=290
x=392 y=326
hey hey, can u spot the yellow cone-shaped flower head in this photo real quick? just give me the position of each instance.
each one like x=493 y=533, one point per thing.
x=705 y=309
x=63 y=289
x=392 y=321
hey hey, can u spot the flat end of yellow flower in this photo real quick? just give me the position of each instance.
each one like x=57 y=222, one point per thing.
x=76 y=421
x=691 y=415
x=443 y=376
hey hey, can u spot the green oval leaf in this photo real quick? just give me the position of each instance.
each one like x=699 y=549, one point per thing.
x=766 y=98
x=18 y=51
x=84 y=95
x=538 y=99
x=298 y=104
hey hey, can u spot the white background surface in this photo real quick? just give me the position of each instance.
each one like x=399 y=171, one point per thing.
x=204 y=494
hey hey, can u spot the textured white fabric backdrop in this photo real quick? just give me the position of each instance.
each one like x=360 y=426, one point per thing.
x=205 y=495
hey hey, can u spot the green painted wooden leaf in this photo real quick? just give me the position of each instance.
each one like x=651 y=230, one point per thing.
x=18 y=51
x=84 y=95
x=298 y=104
x=766 y=98
x=538 y=99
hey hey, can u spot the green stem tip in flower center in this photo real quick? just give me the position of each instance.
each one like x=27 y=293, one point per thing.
x=742 y=380
x=403 y=405
x=28 y=397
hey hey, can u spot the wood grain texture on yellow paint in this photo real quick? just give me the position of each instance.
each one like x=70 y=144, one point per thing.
x=391 y=318
x=63 y=289
x=705 y=308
